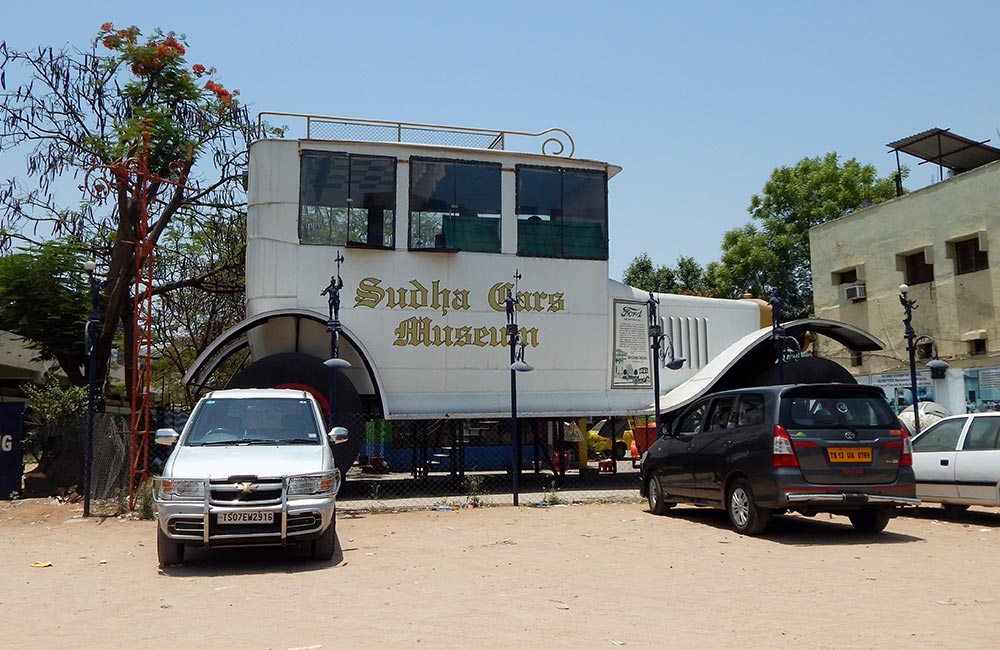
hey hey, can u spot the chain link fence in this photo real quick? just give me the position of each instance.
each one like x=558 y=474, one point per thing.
x=406 y=464
x=426 y=463
x=322 y=129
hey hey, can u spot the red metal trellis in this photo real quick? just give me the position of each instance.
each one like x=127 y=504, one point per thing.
x=133 y=176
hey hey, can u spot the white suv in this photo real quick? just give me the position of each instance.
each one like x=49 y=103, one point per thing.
x=251 y=467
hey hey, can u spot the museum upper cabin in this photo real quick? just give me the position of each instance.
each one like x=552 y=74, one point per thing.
x=453 y=195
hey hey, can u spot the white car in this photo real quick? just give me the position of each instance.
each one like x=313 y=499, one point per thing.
x=956 y=461
x=252 y=467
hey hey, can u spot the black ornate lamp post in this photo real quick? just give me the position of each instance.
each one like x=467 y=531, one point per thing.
x=778 y=337
x=937 y=367
x=911 y=348
x=90 y=330
x=517 y=364
x=333 y=327
x=656 y=337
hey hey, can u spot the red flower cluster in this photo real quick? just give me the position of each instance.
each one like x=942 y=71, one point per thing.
x=170 y=46
x=113 y=40
x=198 y=69
x=224 y=95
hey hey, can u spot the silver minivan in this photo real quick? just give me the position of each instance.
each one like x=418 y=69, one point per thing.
x=252 y=467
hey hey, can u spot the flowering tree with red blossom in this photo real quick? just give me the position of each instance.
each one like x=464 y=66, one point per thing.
x=73 y=111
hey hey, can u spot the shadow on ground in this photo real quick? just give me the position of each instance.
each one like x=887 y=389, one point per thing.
x=798 y=530
x=210 y=562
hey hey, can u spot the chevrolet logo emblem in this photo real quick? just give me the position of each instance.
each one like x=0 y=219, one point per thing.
x=245 y=488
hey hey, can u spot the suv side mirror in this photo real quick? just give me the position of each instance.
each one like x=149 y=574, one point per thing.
x=166 y=437
x=338 y=435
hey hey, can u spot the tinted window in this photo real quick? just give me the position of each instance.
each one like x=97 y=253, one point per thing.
x=691 y=421
x=943 y=436
x=750 y=411
x=983 y=434
x=562 y=213
x=720 y=417
x=805 y=411
x=454 y=205
x=346 y=198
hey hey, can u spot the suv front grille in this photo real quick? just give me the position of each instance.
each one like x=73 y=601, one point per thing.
x=260 y=493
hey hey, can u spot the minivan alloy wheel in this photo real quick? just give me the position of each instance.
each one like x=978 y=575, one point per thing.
x=744 y=515
x=740 y=505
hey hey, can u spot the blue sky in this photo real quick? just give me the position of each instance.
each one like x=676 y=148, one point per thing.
x=698 y=102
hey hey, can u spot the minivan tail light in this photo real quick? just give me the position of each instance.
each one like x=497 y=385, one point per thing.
x=783 y=454
x=906 y=455
x=905 y=446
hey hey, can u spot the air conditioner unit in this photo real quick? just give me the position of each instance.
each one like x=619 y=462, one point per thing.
x=855 y=293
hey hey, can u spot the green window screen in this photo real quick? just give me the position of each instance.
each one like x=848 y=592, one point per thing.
x=562 y=213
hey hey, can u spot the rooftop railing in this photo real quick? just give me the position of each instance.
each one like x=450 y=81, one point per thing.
x=325 y=127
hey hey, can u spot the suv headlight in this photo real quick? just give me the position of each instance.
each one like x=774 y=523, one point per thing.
x=308 y=485
x=179 y=489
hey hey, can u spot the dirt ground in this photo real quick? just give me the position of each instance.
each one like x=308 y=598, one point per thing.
x=578 y=576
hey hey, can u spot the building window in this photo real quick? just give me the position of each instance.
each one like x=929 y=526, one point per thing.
x=454 y=205
x=977 y=346
x=562 y=213
x=856 y=359
x=968 y=257
x=925 y=350
x=347 y=199
x=917 y=270
x=847 y=277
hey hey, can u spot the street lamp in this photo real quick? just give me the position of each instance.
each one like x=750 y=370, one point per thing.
x=517 y=364
x=334 y=363
x=778 y=337
x=911 y=348
x=656 y=337
x=89 y=334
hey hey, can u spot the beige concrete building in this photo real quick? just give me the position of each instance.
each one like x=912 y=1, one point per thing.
x=943 y=241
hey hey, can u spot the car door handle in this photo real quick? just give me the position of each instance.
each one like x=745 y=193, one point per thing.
x=944 y=462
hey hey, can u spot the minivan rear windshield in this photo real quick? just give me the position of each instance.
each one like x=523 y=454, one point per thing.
x=820 y=411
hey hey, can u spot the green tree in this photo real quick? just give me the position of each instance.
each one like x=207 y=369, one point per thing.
x=46 y=304
x=192 y=316
x=688 y=277
x=641 y=274
x=102 y=110
x=773 y=259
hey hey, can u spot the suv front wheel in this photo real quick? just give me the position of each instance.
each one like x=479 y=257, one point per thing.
x=168 y=551
x=744 y=515
x=325 y=545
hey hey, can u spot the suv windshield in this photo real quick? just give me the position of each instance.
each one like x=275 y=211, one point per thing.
x=825 y=410
x=253 y=421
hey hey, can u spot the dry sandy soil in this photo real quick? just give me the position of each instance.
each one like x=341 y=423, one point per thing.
x=580 y=576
